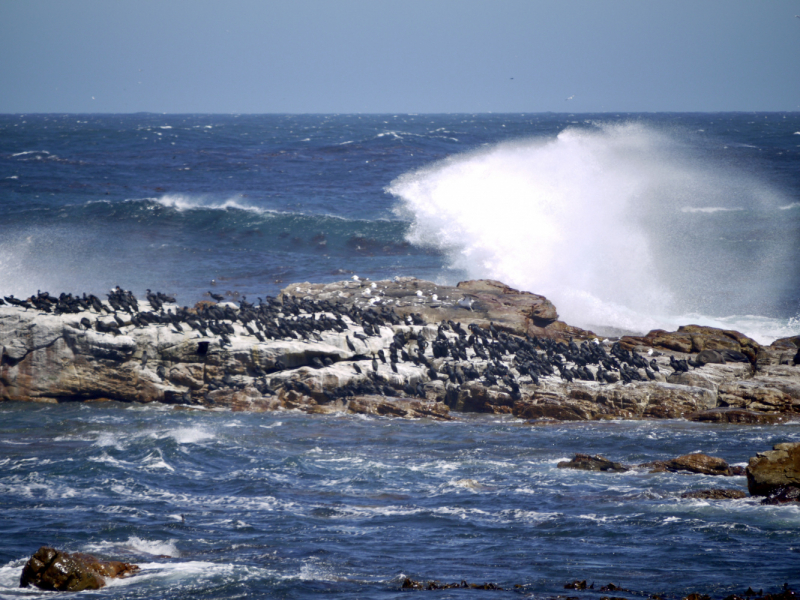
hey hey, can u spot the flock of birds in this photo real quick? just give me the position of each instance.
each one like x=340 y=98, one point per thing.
x=488 y=355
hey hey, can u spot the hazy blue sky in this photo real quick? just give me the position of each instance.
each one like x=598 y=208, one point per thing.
x=182 y=56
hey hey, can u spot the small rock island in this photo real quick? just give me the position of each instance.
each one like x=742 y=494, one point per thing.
x=403 y=347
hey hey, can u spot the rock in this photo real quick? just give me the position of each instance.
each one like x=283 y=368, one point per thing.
x=575 y=585
x=709 y=356
x=586 y=462
x=696 y=338
x=755 y=394
x=784 y=494
x=693 y=379
x=314 y=352
x=410 y=584
x=695 y=463
x=734 y=415
x=768 y=472
x=55 y=570
x=715 y=494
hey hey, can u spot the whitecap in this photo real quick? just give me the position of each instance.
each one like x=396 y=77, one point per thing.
x=30 y=152
x=790 y=206
x=137 y=545
x=183 y=203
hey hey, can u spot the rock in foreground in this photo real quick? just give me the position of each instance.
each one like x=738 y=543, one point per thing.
x=54 y=570
x=775 y=472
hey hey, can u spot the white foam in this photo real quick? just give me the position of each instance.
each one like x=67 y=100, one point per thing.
x=9 y=577
x=790 y=206
x=137 y=545
x=155 y=460
x=764 y=330
x=190 y=435
x=577 y=218
x=31 y=152
x=182 y=202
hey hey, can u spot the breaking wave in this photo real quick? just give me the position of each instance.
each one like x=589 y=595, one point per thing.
x=596 y=219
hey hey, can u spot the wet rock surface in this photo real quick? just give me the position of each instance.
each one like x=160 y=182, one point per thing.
x=585 y=462
x=697 y=463
x=715 y=494
x=406 y=348
x=775 y=473
x=56 y=570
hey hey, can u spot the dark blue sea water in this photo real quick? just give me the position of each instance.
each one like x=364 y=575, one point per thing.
x=286 y=505
x=626 y=222
x=630 y=221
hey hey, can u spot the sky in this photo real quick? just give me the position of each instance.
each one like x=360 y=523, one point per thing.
x=398 y=56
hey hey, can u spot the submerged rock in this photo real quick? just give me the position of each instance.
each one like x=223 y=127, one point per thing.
x=715 y=494
x=55 y=570
x=410 y=584
x=586 y=462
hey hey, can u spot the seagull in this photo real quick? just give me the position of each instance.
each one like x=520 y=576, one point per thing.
x=354 y=278
x=466 y=302
x=570 y=98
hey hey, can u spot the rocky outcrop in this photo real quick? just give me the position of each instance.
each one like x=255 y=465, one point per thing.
x=55 y=570
x=585 y=462
x=698 y=463
x=734 y=415
x=689 y=463
x=729 y=345
x=406 y=348
x=479 y=302
x=775 y=472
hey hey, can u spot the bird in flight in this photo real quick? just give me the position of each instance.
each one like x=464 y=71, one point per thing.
x=570 y=98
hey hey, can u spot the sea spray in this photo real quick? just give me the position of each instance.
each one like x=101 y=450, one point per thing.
x=599 y=219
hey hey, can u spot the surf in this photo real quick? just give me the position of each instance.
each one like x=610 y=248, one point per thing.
x=606 y=221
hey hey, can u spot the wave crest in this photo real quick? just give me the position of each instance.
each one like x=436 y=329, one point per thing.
x=589 y=218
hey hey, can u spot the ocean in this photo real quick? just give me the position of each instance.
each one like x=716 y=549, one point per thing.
x=627 y=222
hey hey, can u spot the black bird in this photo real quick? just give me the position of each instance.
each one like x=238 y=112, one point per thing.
x=382 y=356
x=357 y=368
x=350 y=343
x=216 y=297
x=374 y=363
x=144 y=359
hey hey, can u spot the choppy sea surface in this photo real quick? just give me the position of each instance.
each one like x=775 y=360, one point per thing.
x=287 y=505
x=626 y=222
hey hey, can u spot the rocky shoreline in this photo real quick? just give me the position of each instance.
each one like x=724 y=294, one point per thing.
x=404 y=348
